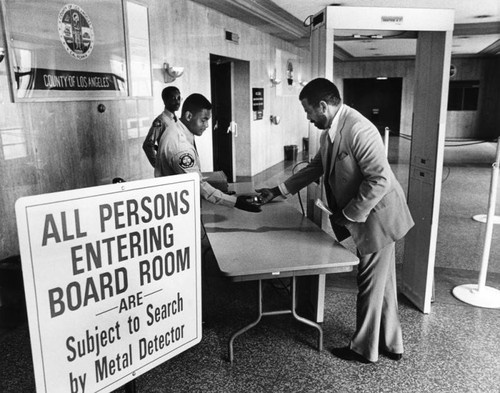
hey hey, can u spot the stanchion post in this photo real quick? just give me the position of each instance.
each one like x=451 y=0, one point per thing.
x=489 y=220
x=480 y=295
x=483 y=217
x=386 y=141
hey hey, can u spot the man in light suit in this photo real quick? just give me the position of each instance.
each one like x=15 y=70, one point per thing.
x=367 y=203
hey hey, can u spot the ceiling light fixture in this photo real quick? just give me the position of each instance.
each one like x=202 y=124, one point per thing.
x=372 y=36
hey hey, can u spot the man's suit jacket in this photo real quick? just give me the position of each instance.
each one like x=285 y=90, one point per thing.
x=360 y=182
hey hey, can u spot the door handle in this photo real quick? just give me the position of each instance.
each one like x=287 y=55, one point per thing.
x=233 y=127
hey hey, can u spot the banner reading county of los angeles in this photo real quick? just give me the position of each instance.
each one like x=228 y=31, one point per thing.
x=112 y=280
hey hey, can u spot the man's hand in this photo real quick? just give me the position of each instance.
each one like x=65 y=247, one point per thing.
x=268 y=194
x=339 y=218
x=247 y=203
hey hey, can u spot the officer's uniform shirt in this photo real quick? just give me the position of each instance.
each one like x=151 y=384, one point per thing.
x=152 y=141
x=177 y=154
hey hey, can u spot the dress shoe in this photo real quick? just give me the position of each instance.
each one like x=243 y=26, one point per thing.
x=391 y=355
x=347 y=353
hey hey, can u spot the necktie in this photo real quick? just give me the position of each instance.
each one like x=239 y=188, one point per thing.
x=329 y=157
x=326 y=177
x=175 y=118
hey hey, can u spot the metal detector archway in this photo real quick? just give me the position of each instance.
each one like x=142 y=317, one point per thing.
x=432 y=65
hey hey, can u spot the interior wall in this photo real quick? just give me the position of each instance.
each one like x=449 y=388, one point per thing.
x=70 y=144
x=484 y=123
x=404 y=69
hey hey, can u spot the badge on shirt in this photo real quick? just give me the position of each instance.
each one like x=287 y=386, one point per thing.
x=186 y=161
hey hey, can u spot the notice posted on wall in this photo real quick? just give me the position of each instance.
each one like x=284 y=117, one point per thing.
x=112 y=279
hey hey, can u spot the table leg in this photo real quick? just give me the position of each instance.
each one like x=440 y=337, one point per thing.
x=249 y=326
x=277 y=312
x=304 y=320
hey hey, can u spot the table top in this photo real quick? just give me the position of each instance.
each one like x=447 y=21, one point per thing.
x=278 y=242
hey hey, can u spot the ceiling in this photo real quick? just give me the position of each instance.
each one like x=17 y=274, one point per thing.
x=476 y=29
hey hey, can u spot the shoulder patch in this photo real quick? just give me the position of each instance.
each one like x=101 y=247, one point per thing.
x=157 y=123
x=186 y=160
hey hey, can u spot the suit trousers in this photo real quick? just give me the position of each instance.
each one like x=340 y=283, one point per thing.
x=377 y=317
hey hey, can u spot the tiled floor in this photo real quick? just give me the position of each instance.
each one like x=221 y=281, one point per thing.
x=455 y=348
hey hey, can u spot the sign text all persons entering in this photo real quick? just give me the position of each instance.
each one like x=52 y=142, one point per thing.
x=112 y=280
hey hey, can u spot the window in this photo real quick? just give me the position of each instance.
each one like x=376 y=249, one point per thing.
x=82 y=54
x=13 y=142
x=463 y=95
x=79 y=54
x=139 y=51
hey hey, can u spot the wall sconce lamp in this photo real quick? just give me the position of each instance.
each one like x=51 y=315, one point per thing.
x=274 y=81
x=289 y=72
x=172 y=73
x=275 y=120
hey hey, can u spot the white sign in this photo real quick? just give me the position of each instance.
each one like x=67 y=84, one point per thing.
x=70 y=51
x=112 y=280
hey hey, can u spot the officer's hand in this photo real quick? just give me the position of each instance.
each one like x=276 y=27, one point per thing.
x=268 y=194
x=339 y=218
x=246 y=203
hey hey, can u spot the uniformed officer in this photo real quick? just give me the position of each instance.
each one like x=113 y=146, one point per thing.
x=171 y=97
x=177 y=152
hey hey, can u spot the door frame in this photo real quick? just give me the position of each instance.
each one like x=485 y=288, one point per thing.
x=241 y=114
x=435 y=29
x=371 y=82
